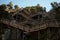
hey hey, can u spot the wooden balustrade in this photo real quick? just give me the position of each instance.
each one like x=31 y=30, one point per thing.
x=44 y=24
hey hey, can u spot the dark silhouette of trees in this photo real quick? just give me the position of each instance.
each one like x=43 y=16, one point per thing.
x=45 y=9
x=10 y=5
x=2 y=7
x=2 y=10
x=28 y=8
x=16 y=7
x=33 y=10
x=39 y=8
x=56 y=9
x=3 y=13
x=55 y=5
x=38 y=5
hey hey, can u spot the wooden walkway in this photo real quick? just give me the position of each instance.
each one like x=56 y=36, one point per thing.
x=27 y=29
x=35 y=24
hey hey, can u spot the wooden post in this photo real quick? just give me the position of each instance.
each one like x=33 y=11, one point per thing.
x=23 y=34
x=56 y=23
x=0 y=32
x=39 y=35
x=6 y=35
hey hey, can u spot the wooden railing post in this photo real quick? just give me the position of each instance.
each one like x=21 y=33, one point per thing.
x=39 y=35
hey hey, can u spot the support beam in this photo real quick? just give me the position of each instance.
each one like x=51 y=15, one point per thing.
x=39 y=35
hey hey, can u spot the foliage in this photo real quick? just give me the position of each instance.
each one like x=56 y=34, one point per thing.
x=10 y=5
x=56 y=9
x=39 y=8
x=2 y=7
x=38 y=5
x=45 y=9
x=55 y=5
x=16 y=7
x=28 y=8
x=33 y=9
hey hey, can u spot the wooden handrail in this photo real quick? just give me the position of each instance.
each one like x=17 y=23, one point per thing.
x=27 y=29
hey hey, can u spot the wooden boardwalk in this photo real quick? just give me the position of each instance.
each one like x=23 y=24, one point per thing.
x=26 y=28
x=14 y=24
x=32 y=25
